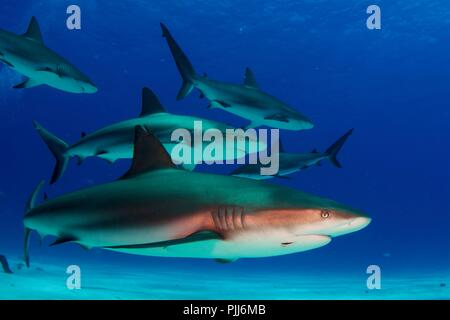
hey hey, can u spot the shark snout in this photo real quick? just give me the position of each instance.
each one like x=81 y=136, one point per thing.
x=88 y=87
x=352 y=225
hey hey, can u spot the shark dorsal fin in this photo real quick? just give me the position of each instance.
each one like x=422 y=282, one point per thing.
x=149 y=154
x=249 y=79
x=33 y=31
x=150 y=103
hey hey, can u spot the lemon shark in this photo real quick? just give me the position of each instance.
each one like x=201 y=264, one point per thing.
x=28 y=55
x=157 y=209
x=245 y=100
x=116 y=141
x=290 y=162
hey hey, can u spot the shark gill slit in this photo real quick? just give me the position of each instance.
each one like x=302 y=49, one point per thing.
x=228 y=218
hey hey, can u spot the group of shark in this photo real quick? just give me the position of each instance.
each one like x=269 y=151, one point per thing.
x=158 y=208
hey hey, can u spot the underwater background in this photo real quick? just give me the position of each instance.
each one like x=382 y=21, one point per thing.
x=392 y=85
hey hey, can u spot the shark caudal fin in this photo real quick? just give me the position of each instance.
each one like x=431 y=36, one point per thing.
x=58 y=148
x=334 y=149
x=31 y=203
x=183 y=64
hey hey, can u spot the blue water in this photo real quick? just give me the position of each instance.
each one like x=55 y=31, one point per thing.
x=392 y=85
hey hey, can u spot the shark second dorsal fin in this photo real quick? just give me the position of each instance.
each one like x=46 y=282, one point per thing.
x=249 y=79
x=149 y=154
x=33 y=31
x=150 y=103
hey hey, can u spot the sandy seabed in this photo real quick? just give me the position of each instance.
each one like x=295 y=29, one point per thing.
x=45 y=281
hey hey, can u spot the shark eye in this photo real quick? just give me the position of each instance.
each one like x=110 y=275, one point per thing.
x=325 y=214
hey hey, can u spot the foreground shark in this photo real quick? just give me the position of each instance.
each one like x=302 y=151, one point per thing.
x=156 y=209
x=290 y=163
x=246 y=100
x=116 y=141
x=28 y=55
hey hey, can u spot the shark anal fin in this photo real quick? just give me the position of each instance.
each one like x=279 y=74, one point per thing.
x=150 y=103
x=33 y=31
x=63 y=239
x=149 y=154
x=277 y=117
x=250 y=80
x=195 y=237
x=29 y=83
x=221 y=260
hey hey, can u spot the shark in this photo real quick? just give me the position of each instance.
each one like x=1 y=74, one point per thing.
x=245 y=100
x=157 y=209
x=115 y=141
x=292 y=162
x=28 y=55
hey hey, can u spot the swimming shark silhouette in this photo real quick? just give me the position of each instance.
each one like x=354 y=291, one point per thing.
x=156 y=209
x=245 y=100
x=290 y=163
x=116 y=141
x=28 y=55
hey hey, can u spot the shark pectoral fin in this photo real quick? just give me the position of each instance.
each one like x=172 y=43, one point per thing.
x=277 y=117
x=250 y=80
x=149 y=154
x=33 y=31
x=63 y=239
x=150 y=103
x=220 y=260
x=29 y=83
x=199 y=236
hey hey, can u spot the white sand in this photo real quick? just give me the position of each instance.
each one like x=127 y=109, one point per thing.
x=109 y=282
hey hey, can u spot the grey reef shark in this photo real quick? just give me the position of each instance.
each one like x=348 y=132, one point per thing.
x=291 y=162
x=157 y=209
x=28 y=55
x=246 y=100
x=116 y=141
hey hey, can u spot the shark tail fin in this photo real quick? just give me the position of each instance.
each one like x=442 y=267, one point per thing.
x=31 y=203
x=184 y=66
x=334 y=149
x=58 y=148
